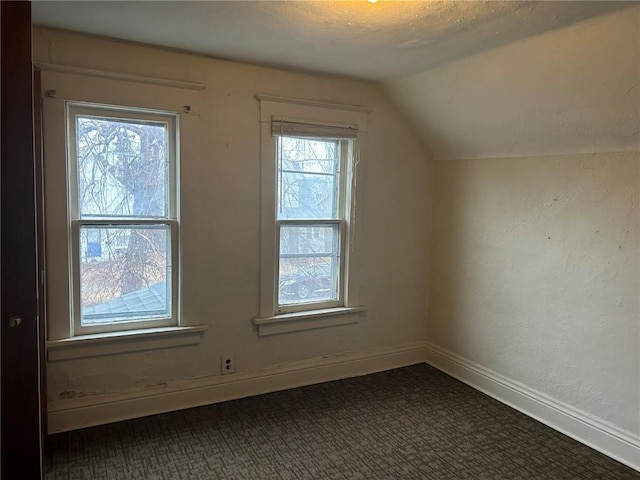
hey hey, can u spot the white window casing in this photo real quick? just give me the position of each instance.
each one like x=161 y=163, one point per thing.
x=322 y=122
x=64 y=96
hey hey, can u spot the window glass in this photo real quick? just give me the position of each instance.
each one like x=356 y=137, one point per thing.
x=122 y=167
x=309 y=264
x=124 y=273
x=308 y=178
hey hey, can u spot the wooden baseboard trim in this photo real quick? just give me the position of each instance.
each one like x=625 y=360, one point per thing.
x=605 y=438
x=94 y=410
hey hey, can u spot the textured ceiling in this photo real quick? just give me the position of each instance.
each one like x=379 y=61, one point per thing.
x=475 y=78
x=570 y=90
x=378 y=41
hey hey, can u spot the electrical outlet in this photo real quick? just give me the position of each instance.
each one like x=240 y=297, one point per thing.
x=227 y=364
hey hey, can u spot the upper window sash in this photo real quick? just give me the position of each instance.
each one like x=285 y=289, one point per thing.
x=168 y=121
x=310 y=178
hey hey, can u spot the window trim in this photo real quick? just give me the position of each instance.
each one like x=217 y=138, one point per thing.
x=318 y=113
x=73 y=109
x=123 y=341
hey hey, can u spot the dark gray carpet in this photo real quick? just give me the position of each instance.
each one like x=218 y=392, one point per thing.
x=409 y=423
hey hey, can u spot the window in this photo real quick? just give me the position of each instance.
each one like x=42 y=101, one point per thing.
x=310 y=216
x=123 y=227
x=310 y=154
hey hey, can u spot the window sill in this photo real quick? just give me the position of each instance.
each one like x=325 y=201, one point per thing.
x=308 y=320
x=121 y=342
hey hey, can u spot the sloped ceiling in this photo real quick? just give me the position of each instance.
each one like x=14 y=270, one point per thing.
x=570 y=90
x=476 y=79
x=353 y=38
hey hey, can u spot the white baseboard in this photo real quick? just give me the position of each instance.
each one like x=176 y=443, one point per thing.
x=94 y=410
x=91 y=410
x=613 y=442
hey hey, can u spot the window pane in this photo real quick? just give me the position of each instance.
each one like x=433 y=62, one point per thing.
x=122 y=167
x=308 y=178
x=309 y=264
x=124 y=273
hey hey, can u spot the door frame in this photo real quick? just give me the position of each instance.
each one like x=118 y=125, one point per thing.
x=20 y=352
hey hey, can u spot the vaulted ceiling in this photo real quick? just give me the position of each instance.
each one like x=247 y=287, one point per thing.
x=476 y=79
x=570 y=90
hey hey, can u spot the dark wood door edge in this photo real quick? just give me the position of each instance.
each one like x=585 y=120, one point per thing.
x=20 y=432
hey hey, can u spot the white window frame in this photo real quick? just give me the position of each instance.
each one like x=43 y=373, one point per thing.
x=344 y=205
x=171 y=220
x=312 y=113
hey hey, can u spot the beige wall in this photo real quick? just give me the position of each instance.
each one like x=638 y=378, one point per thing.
x=535 y=275
x=534 y=261
x=535 y=264
x=221 y=220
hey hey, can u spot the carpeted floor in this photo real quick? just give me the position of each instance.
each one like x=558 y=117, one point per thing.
x=409 y=423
